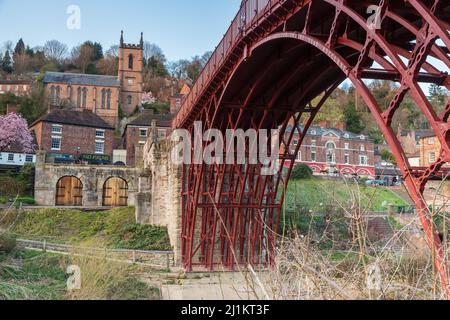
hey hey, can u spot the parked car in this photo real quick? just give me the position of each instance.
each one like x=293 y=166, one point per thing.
x=376 y=183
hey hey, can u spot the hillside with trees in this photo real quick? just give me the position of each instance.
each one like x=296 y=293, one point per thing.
x=163 y=78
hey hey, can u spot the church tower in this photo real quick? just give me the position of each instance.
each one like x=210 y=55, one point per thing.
x=130 y=74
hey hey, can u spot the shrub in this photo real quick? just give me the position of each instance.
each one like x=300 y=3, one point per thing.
x=7 y=243
x=301 y=171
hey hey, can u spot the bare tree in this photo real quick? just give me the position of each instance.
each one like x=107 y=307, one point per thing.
x=113 y=51
x=82 y=56
x=152 y=50
x=55 y=50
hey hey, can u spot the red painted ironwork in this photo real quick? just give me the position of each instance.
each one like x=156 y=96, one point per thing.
x=277 y=57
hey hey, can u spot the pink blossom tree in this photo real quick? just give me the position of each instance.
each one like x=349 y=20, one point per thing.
x=14 y=131
x=148 y=98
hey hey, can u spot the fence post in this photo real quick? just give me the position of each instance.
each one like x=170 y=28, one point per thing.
x=168 y=262
x=134 y=256
x=45 y=246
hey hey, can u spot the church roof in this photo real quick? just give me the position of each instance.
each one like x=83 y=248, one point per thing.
x=81 y=79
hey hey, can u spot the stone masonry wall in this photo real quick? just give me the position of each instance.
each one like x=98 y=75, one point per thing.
x=93 y=179
x=159 y=196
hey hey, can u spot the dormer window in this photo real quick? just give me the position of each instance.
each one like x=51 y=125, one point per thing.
x=362 y=137
x=346 y=136
x=313 y=132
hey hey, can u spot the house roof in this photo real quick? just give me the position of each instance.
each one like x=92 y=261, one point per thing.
x=418 y=134
x=77 y=118
x=81 y=79
x=319 y=131
x=147 y=117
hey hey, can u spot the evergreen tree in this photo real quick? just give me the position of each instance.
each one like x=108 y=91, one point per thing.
x=20 y=47
x=353 y=121
x=7 y=62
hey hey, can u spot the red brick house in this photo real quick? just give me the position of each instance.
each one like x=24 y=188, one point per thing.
x=16 y=87
x=136 y=132
x=74 y=135
x=335 y=151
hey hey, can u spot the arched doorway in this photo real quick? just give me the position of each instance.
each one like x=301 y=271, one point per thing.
x=69 y=192
x=115 y=192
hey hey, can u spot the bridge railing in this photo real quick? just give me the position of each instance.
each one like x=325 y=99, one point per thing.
x=249 y=13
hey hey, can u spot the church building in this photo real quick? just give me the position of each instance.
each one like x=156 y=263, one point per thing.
x=100 y=94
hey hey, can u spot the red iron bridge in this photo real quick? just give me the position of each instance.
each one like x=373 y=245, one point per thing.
x=276 y=65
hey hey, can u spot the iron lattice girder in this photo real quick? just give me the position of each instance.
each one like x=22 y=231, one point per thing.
x=231 y=212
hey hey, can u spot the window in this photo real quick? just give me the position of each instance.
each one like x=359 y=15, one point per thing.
x=100 y=133
x=10 y=157
x=363 y=160
x=143 y=133
x=313 y=132
x=313 y=156
x=299 y=156
x=363 y=148
x=84 y=98
x=130 y=61
x=56 y=143
x=103 y=98
x=162 y=133
x=99 y=146
x=56 y=129
x=313 y=143
x=295 y=142
x=431 y=141
x=28 y=158
x=347 y=159
x=432 y=157
x=108 y=99
x=69 y=93
x=129 y=99
x=130 y=81
x=79 y=98
x=347 y=146
x=346 y=136
x=331 y=157
x=362 y=137
x=330 y=146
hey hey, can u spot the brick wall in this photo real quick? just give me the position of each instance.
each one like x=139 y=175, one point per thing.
x=93 y=100
x=429 y=146
x=72 y=138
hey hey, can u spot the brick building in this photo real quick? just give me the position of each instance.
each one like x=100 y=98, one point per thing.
x=136 y=132
x=429 y=150
x=101 y=94
x=16 y=87
x=67 y=135
x=177 y=100
x=410 y=140
x=332 y=151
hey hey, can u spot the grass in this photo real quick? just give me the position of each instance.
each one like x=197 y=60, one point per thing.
x=314 y=194
x=42 y=277
x=116 y=228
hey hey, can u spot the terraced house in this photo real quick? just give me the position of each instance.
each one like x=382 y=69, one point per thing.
x=335 y=151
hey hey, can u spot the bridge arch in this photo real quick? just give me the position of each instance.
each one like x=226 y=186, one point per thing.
x=279 y=94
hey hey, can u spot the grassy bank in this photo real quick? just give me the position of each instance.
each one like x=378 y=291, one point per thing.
x=115 y=228
x=314 y=194
x=27 y=275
